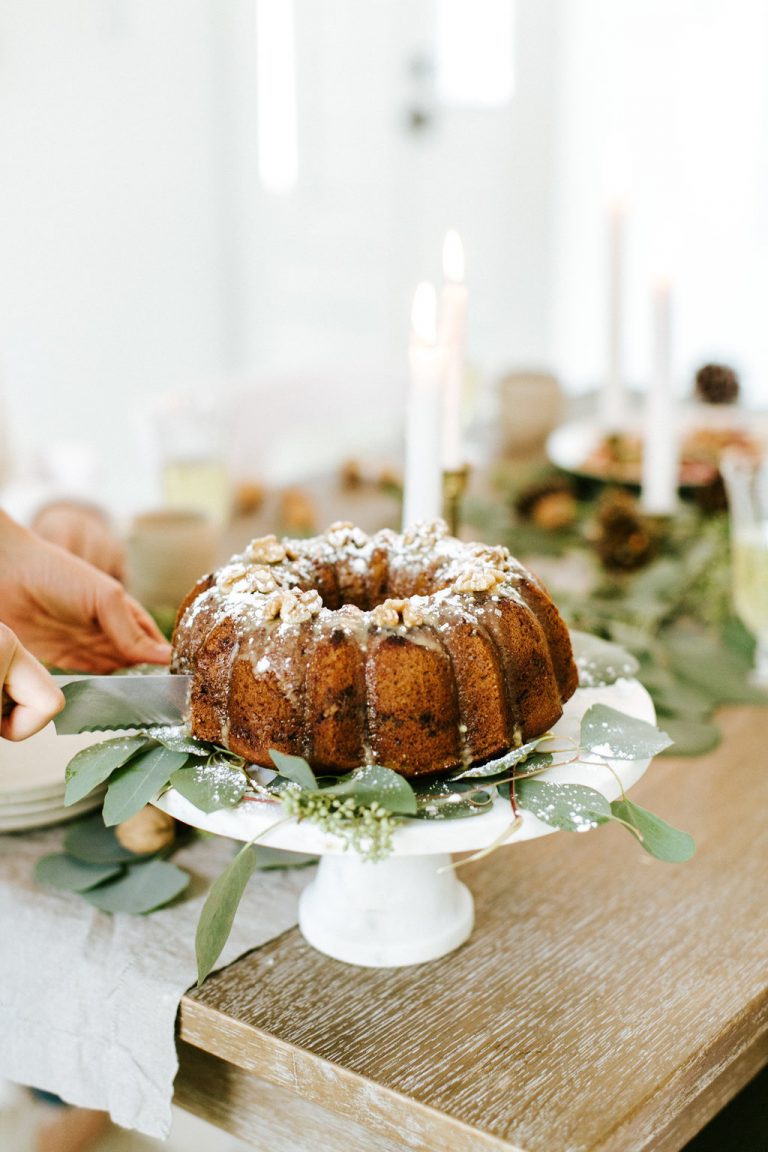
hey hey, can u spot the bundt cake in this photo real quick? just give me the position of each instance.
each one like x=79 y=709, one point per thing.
x=417 y=651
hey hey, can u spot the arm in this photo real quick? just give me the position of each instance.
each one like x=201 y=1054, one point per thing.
x=68 y=613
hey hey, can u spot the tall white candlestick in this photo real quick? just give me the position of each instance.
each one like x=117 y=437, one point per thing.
x=617 y=182
x=453 y=318
x=612 y=414
x=423 y=488
x=660 y=447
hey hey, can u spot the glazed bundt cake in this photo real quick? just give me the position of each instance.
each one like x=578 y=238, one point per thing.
x=417 y=651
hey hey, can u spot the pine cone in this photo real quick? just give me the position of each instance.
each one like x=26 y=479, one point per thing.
x=626 y=540
x=351 y=475
x=297 y=511
x=249 y=497
x=712 y=497
x=550 y=504
x=717 y=384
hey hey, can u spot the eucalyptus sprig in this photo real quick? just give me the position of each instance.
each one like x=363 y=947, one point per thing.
x=95 y=865
x=360 y=808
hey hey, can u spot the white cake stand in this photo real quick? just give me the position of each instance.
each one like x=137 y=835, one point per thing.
x=411 y=907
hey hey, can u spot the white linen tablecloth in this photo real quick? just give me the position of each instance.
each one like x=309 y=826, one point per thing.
x=88 y=1000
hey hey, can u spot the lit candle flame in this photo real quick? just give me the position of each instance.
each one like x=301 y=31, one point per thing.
x=424 y=313
x=453 y=257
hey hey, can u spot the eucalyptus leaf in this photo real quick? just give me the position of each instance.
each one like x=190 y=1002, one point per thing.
x=428 y=786
x=501 y=763
x=277 y=859
x=445 y=801
x=600 y=662
x=739 y=639
x=722 y=672
x=210 y=786
x=529 y=540
x=658 y=838
x=106 y=703
x=178 y=739
x=139 y=782
x=533 y=764
x=294 y=768
x=662 y=580
x=631 y=636
x=145 y=886
x=90 y=841
x=375 y=783
x=218 y=914
x=691 y=737
x=679 y=699
x=278 y=785
x=65 y=872
x=607 y=732
x=573 y=807
x=92 y=766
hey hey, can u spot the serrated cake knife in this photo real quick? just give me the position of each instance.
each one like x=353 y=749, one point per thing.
x=110 y=703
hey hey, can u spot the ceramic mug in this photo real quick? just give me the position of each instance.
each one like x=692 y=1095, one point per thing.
x=167 y=551
x=530 y=407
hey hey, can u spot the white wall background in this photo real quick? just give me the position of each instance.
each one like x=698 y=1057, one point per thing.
x=685 y=85
x=139 y=253
x=109 y=252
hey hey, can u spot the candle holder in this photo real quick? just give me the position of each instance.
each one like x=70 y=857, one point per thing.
x=455 y=482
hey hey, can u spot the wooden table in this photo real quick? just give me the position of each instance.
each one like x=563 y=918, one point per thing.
x=605 y=1000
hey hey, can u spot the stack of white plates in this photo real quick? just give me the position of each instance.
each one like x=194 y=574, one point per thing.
x=32 y=779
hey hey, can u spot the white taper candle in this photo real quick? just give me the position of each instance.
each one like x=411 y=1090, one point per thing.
x=660 y=442
x=423 y=488
x=453 y=318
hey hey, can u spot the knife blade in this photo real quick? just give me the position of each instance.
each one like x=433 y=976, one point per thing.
x=111 y=703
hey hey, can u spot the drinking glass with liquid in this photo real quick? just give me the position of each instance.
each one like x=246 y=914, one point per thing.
x=746 y=480
x=193 y=435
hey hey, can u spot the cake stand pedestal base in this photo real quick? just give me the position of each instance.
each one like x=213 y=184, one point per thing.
x=400 y=911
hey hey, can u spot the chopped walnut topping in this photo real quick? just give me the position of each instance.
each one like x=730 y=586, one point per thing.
x=293 y=607
x=478 y=579
x=232 y=578
x=393 y=613
x=494 y=556
x=262 y=580
x=426 y=533
x=412 y=618
x=387 y=615
x=265 y=550
x=244 y=579
x=343 y=532
x=272 y=606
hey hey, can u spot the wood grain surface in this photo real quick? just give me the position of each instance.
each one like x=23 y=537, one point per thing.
x=606 y=1001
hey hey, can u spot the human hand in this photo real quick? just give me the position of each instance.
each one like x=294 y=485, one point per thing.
x=68 y=613
x=84 y=530
x=30 y=697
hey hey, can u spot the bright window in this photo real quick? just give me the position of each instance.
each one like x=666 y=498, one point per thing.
x=475 y=52
x=276 y=95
